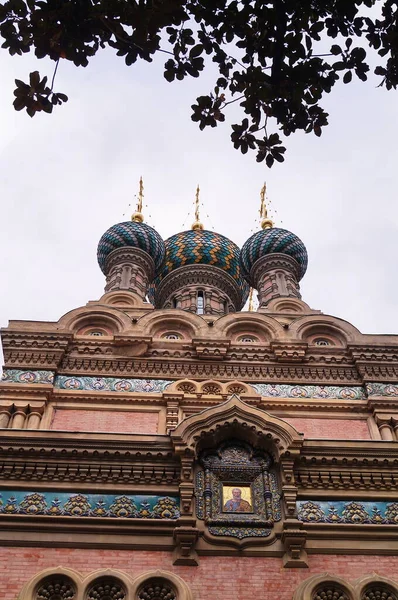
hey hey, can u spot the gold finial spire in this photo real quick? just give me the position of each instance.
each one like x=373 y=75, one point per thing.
x=266 y=223
x=197 y=224
x=138 y=217
x=251 y=301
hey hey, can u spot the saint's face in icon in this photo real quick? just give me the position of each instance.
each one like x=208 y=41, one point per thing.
x=236 y=503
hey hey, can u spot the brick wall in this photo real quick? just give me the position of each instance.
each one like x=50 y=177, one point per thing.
x=105 y=420
x=226 y=578
x=336 y=429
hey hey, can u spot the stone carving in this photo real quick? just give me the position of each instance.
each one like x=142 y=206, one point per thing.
x=56 y=588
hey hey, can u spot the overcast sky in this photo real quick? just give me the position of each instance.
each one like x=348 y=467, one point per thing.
x=66 y=177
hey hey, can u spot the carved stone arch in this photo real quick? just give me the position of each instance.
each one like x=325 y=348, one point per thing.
x=30 y=589
x=159 y=321
x=75 y=320
x=235 y=418
x=211 y=388
x=123 y=299
x=186 y=386
x=181 y=589
x=106 y=577
x=376 y=587
x=265 y=327
x=239 y=388
x=316 y=587
x=342 y=331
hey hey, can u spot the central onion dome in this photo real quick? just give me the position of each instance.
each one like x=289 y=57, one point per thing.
x=131 y=234
x=189 y=250
x=273 y=241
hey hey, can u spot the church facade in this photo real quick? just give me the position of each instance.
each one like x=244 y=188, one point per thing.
x=183 y=448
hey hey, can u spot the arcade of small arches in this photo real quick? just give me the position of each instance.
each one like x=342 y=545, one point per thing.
x=108 y=584
x=67 y=584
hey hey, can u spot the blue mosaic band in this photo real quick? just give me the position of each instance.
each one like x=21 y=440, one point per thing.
x=88 y=505
x=353 y=511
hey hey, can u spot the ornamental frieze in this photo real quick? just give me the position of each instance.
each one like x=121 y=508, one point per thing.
x=353 y=512
x=23 y=376
x=157 y=386
x=53 y=504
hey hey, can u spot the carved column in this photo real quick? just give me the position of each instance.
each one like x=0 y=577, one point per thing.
x=129 y=269
x=275 y=276
x=19 y=416
x=5 y=415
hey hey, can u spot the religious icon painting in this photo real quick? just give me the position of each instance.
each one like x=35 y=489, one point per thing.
x=237 y=498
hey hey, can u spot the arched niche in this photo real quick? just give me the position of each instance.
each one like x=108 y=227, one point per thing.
x=236 y=419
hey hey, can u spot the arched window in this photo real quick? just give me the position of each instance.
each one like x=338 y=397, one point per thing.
x=329 y=591
x=200 y=303
x=106 y=589
x=379 y=591
x=157 y=589
x=56 y=587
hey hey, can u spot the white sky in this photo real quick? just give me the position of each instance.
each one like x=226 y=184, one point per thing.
x=66 y=177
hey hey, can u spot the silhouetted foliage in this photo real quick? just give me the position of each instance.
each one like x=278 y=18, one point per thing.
x=275 y=58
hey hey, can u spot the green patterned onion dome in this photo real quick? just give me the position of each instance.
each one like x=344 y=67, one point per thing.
x=134 y=235
x=203 y=247
x=272 y=241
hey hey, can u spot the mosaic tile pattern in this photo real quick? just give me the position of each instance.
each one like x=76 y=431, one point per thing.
x=111 y=384
x=205 y=248
x=310 y=391
x=136 y=235
x=22 y=376
x=89 y=505
x=271 y=241
x=382 y=389
x=353 y=512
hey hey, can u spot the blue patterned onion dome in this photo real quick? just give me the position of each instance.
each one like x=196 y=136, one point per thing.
x=203 y=247
x=272 y=241
x=134 y=235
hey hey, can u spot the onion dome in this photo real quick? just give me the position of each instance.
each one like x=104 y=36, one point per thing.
x=199 y=246
x=273 y=241
x=133 y=234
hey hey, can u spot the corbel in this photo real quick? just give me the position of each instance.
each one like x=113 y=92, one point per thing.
x=294 y=538
x=289 y=352
x=214 y=350
x=185 y=538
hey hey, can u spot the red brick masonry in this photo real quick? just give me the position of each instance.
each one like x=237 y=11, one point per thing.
x=106 y=421
x=223 y=578
x=332 y=429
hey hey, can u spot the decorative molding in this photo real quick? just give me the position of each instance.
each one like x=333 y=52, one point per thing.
x=309 y=391
x=349 y=511
x=22 y=376
x=72 y=504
